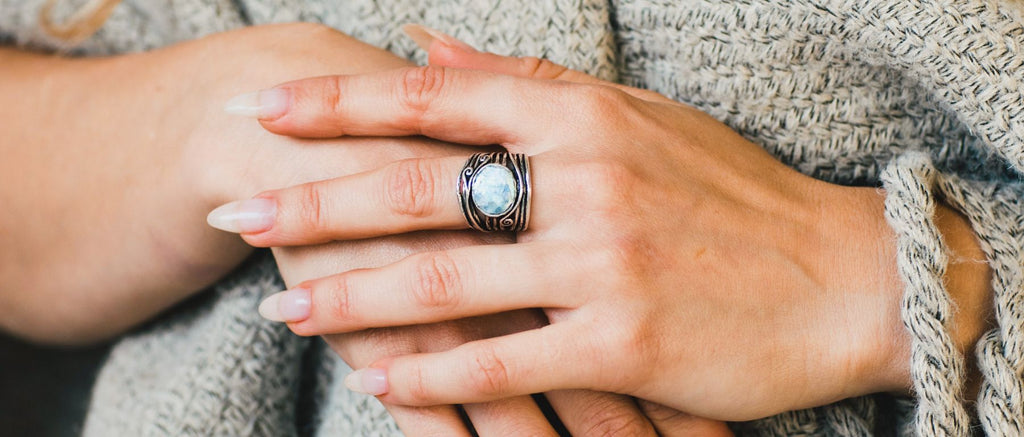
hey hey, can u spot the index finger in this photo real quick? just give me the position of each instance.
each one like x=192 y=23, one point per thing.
x=463 y=106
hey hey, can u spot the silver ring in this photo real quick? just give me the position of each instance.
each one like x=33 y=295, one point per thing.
x=494 y=192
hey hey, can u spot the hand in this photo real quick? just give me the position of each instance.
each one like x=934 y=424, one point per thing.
x=259 y=160
x=583 y=412
x=676 y=261
x=141 y=157
x=444 y=50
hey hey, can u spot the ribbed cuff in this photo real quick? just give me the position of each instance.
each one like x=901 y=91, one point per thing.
x=996 y=214
x=937 y=368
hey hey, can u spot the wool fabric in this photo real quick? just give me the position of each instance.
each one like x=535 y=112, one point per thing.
x=922 y=97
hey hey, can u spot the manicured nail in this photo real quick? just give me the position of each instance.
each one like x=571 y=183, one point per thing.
x=369 y=380
x=244 y=216
x=266 y=104
x=292 y=305
x=423 y=36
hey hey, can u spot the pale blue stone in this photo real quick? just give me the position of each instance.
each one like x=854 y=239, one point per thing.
x=494 y=189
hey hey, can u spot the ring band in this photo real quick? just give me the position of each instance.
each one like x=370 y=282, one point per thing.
x=494 y=192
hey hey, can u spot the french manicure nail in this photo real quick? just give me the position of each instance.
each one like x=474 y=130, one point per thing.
x=265 y=104
x=293 y=305
x=244 y=216
x=369 y=380
x=423 y=36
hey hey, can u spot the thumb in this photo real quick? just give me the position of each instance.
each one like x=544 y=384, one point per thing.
x=447 y=51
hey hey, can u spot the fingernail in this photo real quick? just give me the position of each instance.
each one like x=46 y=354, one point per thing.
x=370 y=381
x=293 y=305
x=423 y=36
x=265 y=104
x=244 y=216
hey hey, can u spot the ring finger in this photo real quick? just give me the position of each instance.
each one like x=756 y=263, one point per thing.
x=404 y=196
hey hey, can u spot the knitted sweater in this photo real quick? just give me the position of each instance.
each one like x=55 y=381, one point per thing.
x=923 y=97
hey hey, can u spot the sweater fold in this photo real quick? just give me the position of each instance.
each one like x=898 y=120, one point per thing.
x=924 y=97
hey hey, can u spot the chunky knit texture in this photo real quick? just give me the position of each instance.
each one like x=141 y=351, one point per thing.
x=925 y=97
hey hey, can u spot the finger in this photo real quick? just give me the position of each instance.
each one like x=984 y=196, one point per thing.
x=454 y=57
x=539 y=360
x=447 y=51
x=513 y=416
x=461 y=106
x=404 y=196
x=674 y=423
x=429 y=288
x=359 y=350
x=592 y=413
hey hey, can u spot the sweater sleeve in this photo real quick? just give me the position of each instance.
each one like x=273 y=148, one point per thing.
x=996 y=213
x=970 y=54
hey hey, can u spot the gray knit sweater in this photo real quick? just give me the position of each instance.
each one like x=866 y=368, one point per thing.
x=923 y=97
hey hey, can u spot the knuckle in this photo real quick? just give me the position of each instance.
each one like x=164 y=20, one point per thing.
x=313 y=207
x=330 y=93
x=421 y=86
x=410 y=188
x=604 y=103
x=488 y=373
x=438 y=282
x=337 y=295
x=416 y=386
x=610 y=421
x=633 y=338
x=629 y=256
x=608 y=184
x=531 y=66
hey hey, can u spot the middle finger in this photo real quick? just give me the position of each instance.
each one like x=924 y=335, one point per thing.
x=431 y=287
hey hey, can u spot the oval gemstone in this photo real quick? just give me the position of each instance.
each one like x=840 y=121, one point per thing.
x=493 y=189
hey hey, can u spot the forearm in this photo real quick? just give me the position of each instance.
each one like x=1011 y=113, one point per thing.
x=34 y=92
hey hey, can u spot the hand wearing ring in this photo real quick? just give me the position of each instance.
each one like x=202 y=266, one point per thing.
x=676 y=261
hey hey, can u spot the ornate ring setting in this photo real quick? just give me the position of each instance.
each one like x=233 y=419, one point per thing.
x=494 y=192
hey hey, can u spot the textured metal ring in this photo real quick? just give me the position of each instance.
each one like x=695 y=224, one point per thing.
x=494 y=192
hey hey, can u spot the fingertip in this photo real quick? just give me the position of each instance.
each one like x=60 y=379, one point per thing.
x=244 y=216
x=312 y=109
x=425 y=37
x=292 y=305
x=258 y=240
x=268 y=104
x=371 y=381
x=446 y=56
x=284 y=125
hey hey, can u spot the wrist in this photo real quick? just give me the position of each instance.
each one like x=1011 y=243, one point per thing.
x=865 y=294
x=878 y=349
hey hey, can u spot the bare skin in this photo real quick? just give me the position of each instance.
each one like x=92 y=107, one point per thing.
x=826 y=250
x=117 y=194
x=111 y=166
